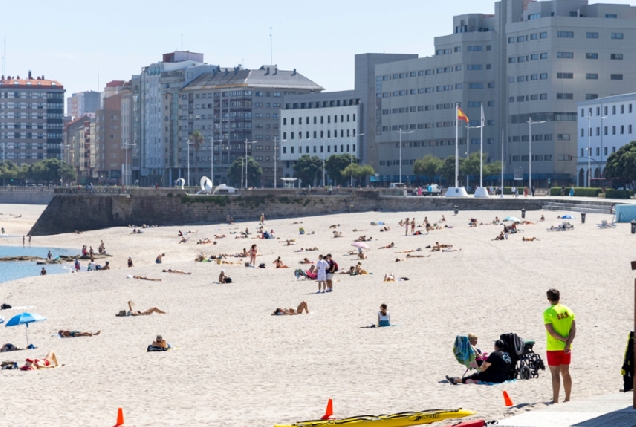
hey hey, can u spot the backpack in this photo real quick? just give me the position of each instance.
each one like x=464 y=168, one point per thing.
x=334 y=264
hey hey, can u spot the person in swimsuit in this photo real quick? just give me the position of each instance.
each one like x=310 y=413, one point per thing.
x=75 y=334
x=279 y=263
x=384 y=318
x=253 y=254
x=138 y=313
x=290 y=311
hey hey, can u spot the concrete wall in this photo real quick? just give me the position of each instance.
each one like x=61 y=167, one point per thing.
x=25 y=197
x=67 y=213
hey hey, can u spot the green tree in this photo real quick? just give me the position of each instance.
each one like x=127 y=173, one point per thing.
x=427 y=166
x=360 y=172
x=621 y=165
x=236 y=173
x=493 y=168
x=196 y=139
x=471 y=165
x=447 y=171
x=306 y=169
x=337 y=163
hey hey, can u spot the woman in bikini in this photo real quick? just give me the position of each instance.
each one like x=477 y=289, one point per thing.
x=290 y=311
x=279 y=264
x=253 y=254
x=75 y=334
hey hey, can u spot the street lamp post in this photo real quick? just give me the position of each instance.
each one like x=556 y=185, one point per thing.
x=401 y=132
x=530 y=123
x=351 y=156
x=589 y=148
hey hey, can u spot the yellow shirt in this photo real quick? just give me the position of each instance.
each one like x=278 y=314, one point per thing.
x=561 y=318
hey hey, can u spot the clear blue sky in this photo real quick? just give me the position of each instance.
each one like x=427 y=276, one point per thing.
x=70 y=40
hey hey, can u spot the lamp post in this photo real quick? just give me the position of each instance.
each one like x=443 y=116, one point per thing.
x=401 y=132
x=351 y=156
x=246 y=162
x=530 y=123
x=589 y=148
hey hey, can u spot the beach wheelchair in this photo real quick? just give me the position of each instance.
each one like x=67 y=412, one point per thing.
x=526 y=363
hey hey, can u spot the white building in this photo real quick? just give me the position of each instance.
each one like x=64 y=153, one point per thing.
x=325 y=125
x=605 y=125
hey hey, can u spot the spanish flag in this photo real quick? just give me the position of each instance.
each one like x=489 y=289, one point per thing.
x=461 y=115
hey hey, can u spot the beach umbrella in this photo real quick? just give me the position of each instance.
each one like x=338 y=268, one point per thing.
x=25 y=319
x=567 y=217
x=512 y=218
x=360 y=245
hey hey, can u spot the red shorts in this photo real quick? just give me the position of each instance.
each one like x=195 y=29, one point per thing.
x=557 y=358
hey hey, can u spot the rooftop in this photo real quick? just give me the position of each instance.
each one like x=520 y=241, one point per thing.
x=266 y=76
x=28 y=83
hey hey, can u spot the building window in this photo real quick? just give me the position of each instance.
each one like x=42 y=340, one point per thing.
x=616 y=56
x=565 y=75
x=591 y=96
x=543 y=76
x=617 y=36
x=591 y=76
x=543 y=55
x=565 y=55
x=565 y=96
x=591 y=35
x=565 y=34
x=611 y=16
x=591 y=56
x=543 y=35
x=534 y=16
x=616 y=77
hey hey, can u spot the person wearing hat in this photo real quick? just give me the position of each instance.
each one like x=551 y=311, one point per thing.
x=495 y=369
x=223 y=278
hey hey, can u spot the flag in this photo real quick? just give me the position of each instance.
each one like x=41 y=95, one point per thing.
x=461 y=115
x=483 y=116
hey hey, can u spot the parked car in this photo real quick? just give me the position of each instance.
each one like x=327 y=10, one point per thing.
x=432 y=190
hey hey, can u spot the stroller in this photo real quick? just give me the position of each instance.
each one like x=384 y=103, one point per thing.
x=526 y=363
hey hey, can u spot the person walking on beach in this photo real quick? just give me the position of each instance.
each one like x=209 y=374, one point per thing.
x=413 y=226
x=322 y=265
x=77 y=265
x=253 y=254
x=560 y=332
x=262 y=218
x=407 y=223
x=49 y=255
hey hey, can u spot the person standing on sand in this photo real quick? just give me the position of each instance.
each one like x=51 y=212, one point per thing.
x=262 y=218
x=333 y=269
x=130 y=263
x=413 y=226
x=253 y=253
x=407 y=223
x=23 y=240
x=560 y=332
x=322 y=265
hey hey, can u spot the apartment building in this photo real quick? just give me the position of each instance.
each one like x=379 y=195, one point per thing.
x=81 y=103
x=319 y=124
x=529 y=60
x=81 y=150
x=605 y=125
x=230 y=106
x=31 y=118
x=160 y=84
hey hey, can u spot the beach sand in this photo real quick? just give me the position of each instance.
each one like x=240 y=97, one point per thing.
x=235 y=365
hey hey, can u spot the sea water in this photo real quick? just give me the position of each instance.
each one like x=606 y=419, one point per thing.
x=17 y=270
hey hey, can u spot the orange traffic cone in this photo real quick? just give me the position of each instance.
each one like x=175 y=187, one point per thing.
x=120 y=418
x=507 y=399
x=329 y=411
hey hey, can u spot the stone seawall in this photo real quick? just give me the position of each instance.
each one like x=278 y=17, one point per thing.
x=68 y=213
x=25 y=197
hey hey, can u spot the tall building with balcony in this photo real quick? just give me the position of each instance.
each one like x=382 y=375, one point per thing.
x=81 y=103
x=31 y=119
x=80 y=149
x=229 y=106
x=530 y=60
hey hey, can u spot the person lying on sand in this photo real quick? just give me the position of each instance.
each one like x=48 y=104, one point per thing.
x=311 y=249
x=75 y=334
x=408 y=251
x=530 y=239
x=290 y=242
x=389 y=246
x=146 y=278
x=305 y=261
x=184 y=240
x=49 y=361
x=170 y=270
x=417 y=256
x=437 y=247
x=334 y=226
x=360 y=270
x=131 y=312
x=500 y=237
x=290 y=311
x=296 y=222
x=364 y=239
x=351 y=271
x=279 y=264
x=385 y=229
x=205 y=241
x=9 y=347
x=219 y=236
x=160 y=343
x=451 y=250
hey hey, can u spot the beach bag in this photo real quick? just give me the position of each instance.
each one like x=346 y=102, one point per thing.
x=5 y=306
x=228 y=280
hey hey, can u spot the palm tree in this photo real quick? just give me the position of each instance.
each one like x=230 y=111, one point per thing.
x=196 y=139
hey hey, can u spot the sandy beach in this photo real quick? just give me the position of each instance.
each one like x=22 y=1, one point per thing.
x=236 y=365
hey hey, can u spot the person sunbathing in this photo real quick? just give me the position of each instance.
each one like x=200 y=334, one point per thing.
x=49 y=361
x=290 y=311
x=75 y=334
x=223 y=278
x=443 y=219
x=290 y=242
x=243 y=254
x=389 y=277
x=148 y=312
x=417 y=256
x=360 y=270
x=437 y=247
x=184 y=240
x=170 y=270
x=451 y=250
x=279 y=264
x=334 y=226
x=219 y=236
x=389 y=246
x=351 y=271
x=204 y=241
x=159 y=342
x=311 y=249
x=305 y=261
x=500 y=237
x=385 y=229
x=146 y=278
x=312 y=273
x=337 y=234
x=530 y=239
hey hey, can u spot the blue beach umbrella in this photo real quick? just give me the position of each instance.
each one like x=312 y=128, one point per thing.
x=567 y=217
x=511 y=218
x=25 y=319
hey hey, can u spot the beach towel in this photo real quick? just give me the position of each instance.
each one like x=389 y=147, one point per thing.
x=154 y=348
x=463 y=351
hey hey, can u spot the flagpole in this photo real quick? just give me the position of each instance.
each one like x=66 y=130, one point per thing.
x=456 y=145
x=481 y=148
